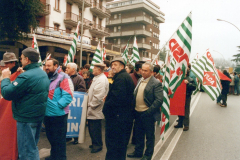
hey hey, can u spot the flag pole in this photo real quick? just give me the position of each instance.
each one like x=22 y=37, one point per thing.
x=168 y=40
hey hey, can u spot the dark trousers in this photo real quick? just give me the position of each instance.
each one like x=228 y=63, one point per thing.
x=56 y=129
x=95 y=131
x=116 y=135
x=184 y=120
x=224 y=99
x=144 y=125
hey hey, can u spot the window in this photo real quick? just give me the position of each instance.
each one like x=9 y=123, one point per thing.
x=150 y=29
x=115 y=16
x=149 y=54
x=115 y=41
x=143 y=40
x=119 y=28
x=144 y=13
x=56 y=26
x=119 y=16
x=119 y=40
x=115 y=29
x=144 y=27
x=57 y=2
x=153 y=44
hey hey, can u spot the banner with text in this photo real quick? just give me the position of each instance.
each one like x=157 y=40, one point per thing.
x=77 y=116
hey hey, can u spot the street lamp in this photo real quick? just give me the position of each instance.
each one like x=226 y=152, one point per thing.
x=228 y=22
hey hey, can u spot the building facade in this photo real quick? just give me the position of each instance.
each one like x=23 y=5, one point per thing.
x=140 y=18
x=57 y=25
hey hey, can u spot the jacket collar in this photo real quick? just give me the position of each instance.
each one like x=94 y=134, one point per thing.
x=74 y=75
x=31 y=66
x=55 y=74
x=122 y=71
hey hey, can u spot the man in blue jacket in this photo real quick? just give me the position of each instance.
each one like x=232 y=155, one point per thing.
x=60 y=96
x=29 y=93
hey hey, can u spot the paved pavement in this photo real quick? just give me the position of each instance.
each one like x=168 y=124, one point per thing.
x=214 y=134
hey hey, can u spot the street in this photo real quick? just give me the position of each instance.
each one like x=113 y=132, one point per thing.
x=213 y=134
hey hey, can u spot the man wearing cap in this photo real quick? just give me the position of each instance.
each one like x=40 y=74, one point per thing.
x=118 y=109
x=11 y=62
x=28 y=92
x=96 y=93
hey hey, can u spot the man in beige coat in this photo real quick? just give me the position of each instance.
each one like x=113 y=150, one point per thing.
x=96 y=93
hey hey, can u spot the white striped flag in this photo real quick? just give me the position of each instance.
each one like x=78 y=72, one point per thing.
x=166 y=102
x=47 y=57
x=97 y=57
x=73 y=48
x=35 y=46
x=125 y=54
x=135 y=53
x=204 y=69
x=180 y=49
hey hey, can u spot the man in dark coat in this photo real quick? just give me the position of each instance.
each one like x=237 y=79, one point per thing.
x=137 y=72
x=118 y=111
x=148 y=96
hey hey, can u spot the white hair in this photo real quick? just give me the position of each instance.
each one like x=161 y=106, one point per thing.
x=73 y=65
x=149 y=64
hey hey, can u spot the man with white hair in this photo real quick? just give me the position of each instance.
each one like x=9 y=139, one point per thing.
x=78 y=81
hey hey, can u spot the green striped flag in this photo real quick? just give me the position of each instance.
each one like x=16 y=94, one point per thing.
x=195 y=59
x=73 y=48
x=204 y=69
x=35 y=46
x=166 y=102
x=135 y=53
x=125 y=54
x=97 y=57
x=180 y=49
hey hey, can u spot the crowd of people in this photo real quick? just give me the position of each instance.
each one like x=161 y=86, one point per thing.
x=128 y=98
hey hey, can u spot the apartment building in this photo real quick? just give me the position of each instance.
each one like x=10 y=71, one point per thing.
x=139 y=18
x=57 y=25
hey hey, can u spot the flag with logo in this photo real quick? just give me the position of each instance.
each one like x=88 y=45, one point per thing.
x=204 y=69
x=97 y=57
x=180 y=49
x=35 y=46
x=135 y=53
x=195 y=59
x=73 y=48
x=176 y=65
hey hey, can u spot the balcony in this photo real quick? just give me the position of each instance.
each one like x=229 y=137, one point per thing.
x=131 y=33
x=98 y=30
x=144 y=46
x=110 y=48
x=87 y=3
x=160 y=19
x=121 y=6
x=101 y=11
x=71 y=19
x=46 y=9
x=137 y=19
x=86 y=23
x=140 y=45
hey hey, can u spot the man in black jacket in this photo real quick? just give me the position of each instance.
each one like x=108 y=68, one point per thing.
x=148 y=96
x=118 y=111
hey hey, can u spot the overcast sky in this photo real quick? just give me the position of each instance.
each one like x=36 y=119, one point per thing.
x=207 y=31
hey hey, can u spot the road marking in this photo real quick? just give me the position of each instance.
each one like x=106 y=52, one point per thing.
x=161 y=142
x=168 y=152
x=44 y=152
